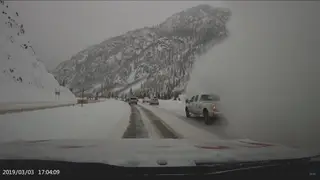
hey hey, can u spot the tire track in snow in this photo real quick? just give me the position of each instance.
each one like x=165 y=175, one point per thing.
x=136 y=128
x=165 y=131
x=152 y=130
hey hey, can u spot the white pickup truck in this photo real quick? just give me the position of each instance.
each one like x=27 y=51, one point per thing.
x=204 y=105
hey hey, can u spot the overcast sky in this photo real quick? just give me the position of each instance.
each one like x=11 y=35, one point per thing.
x=60 y=29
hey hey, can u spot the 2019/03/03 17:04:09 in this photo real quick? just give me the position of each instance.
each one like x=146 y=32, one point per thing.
x=26 y=172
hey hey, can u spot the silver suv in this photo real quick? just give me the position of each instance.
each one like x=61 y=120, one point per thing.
x=154 y=101
x=204 y=105
x=133 y=100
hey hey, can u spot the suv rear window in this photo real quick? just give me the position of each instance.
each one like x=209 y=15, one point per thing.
x=209 y=97
x=196 y=98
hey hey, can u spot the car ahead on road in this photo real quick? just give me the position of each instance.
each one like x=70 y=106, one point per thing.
x=204 y=105
x=145 y=100
x=133 y=100
x=154 y=101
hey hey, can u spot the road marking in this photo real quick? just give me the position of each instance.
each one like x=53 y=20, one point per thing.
x=212 y=147
x=255 y=144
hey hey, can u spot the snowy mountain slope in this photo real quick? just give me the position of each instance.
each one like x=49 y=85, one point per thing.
x=23 y=77
x=164 y=54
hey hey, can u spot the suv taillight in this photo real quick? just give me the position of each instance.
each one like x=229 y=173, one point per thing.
x=214 y=107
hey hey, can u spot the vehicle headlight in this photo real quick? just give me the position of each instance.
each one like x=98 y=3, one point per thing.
x=214 y=107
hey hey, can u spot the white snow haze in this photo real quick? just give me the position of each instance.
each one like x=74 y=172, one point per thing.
x=267 y=72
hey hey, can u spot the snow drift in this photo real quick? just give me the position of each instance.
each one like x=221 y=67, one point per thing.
x=23 y=77
x=267 y=72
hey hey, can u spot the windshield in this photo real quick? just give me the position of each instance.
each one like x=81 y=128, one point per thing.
x=165 y=80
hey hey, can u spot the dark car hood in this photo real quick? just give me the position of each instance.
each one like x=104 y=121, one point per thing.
x=147 y=152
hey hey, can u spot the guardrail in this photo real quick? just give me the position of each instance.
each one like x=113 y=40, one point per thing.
x=23 y=109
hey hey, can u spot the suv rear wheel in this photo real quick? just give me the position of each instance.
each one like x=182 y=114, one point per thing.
x=187 y=112
x=207 y=119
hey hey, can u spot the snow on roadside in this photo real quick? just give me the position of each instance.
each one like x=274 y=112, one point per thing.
x=92 y=121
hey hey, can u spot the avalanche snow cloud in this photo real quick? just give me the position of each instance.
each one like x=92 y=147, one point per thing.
x=267 y=72
x=23 y=77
